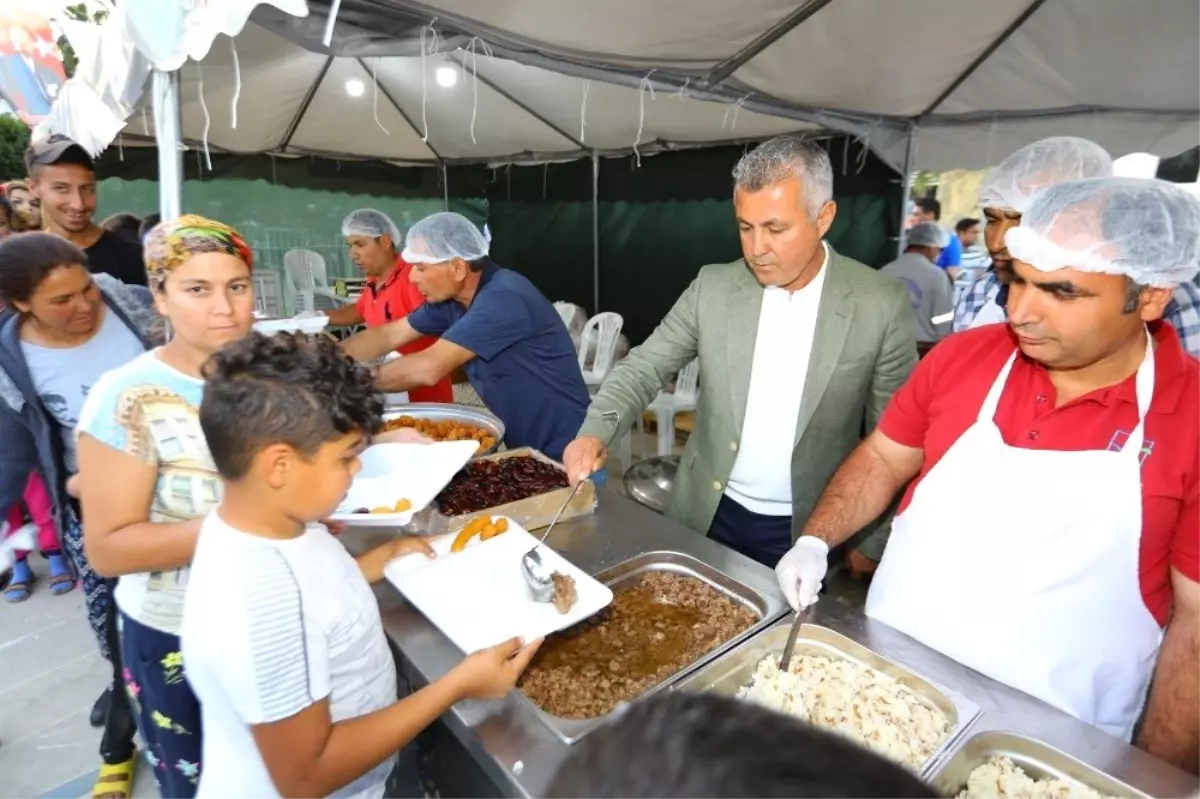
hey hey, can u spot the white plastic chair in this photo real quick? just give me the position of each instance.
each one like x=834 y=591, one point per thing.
x=599 y=334
x=306 y=275
x=667 y=404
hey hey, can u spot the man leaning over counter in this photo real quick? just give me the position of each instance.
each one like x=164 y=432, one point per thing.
x=1084 y=407
x=389 y=294
x=515 y=349
x=799 y=349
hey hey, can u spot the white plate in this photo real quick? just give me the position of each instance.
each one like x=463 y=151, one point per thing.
x=390 y=472
x=308 y=325
x=478 y=597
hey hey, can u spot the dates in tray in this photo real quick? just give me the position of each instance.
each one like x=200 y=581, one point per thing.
x=486 y=484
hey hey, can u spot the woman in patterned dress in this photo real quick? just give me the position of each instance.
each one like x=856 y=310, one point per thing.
x=147 y=479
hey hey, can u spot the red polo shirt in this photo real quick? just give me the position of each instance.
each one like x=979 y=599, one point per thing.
x=943 y=396
x=395 y=298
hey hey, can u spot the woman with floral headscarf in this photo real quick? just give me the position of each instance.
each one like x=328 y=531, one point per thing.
x=147 y=479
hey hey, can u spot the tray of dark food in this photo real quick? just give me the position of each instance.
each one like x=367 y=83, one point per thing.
x=484 y=484
x=670 y=612
x=837 y=683
x=522 y=484
x=992 y=764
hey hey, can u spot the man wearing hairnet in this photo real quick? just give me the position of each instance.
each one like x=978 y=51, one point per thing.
x=1087 y=413
x=517 y=353
x=928 y=285
x=1008 y=191
x=1004 y=196
x=389 y=294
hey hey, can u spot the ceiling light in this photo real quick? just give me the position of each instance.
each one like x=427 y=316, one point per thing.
x=446 y=76
x=355 y=87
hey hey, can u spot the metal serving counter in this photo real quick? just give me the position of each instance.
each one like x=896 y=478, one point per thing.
x=518 y=754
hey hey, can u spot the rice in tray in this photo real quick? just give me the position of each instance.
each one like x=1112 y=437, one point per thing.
x=860 y=703
x=1000 y=778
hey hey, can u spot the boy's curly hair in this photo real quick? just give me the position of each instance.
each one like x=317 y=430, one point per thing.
x=265 y=390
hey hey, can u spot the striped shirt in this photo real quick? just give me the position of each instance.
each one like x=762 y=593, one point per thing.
x=270 y=628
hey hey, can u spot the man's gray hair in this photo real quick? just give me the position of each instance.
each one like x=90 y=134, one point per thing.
x=788 y=156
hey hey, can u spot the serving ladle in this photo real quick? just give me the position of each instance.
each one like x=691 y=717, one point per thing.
x=537 y=576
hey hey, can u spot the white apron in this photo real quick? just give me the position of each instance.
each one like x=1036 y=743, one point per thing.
x=1036 y=587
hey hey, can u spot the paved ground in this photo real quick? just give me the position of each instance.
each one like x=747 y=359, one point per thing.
x=50 y=673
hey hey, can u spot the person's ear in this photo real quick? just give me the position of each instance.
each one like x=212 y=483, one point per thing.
x=276 y=463
x=1152 y=303
x=21 y=307
x=825 y=217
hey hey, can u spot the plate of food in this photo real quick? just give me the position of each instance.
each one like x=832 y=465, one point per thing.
x=397 y=480
x=474 y=593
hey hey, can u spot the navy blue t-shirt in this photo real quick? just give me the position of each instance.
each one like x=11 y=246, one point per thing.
x=525 y=366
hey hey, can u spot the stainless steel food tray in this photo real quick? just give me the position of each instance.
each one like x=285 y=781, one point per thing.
x=1038 y=760
x=766 y=608
x=735 y=669
x=443 y=411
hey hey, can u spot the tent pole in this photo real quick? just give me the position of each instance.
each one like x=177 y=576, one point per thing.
x=595 y=233
x=907 y=180
x=167 y=130
x=445 y=188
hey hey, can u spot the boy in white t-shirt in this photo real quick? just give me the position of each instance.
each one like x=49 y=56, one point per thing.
x=281 y=631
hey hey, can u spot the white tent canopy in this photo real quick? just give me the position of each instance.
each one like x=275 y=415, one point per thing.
x=933 y=84
x=292 y=101
x=971 y=80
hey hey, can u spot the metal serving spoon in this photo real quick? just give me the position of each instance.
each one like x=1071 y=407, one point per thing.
x=802 y=616
x=536 y=575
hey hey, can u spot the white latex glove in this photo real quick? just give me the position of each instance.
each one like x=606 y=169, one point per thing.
x=23 y=539
x=801 y=571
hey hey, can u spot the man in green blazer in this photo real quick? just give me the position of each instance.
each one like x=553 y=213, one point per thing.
x=800 y=350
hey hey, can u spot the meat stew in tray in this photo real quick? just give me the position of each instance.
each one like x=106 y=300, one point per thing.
x=655 y=627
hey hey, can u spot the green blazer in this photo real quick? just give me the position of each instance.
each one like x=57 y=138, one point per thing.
x=864 y=349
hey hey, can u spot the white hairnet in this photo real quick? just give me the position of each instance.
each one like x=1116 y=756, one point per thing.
x=1035 y=166
x=444 y=237
x=369 y=222
x=926 y=234
x=1147 y=230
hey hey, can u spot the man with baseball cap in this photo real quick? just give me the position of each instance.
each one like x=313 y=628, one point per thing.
x=61 y=175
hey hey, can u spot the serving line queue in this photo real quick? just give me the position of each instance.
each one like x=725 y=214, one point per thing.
x=1054 y=508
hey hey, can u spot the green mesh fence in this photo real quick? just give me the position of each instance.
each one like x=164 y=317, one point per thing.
x=275 y=219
